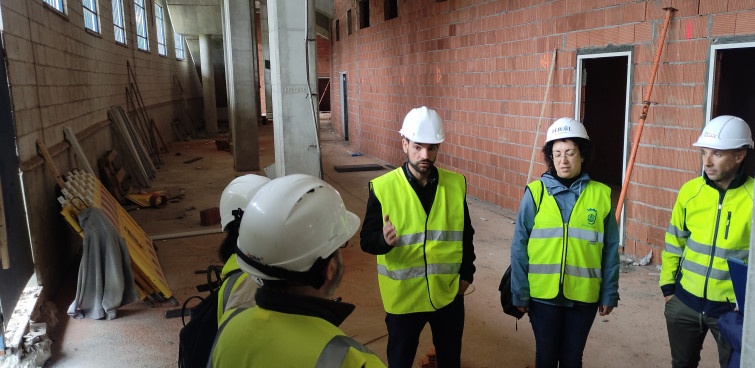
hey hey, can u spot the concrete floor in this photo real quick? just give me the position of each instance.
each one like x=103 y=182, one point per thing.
x=634 y=335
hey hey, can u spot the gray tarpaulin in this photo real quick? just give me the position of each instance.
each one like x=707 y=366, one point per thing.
x=105 y=278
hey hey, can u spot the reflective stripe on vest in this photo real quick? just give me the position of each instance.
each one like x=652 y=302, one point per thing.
x=220 y=329
x=569 y=256
x=228 y=285
x=334 y=353
x=712 y=235
x=230 y=271
x=421 y=273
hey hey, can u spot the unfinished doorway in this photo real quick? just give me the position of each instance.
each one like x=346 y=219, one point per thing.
x=730 y=85
x=603 y=84
x=323 y=93
x=16 y=263
x=344 y=107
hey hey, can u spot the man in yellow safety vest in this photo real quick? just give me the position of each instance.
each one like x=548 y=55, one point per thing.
x=417 y=223
x=710 y=222
x=289 y=241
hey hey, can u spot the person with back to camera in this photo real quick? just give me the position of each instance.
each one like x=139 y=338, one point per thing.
x=710 y=222
x=417 y=223
x=564 y=252
x=289 y=239
x=237 y=289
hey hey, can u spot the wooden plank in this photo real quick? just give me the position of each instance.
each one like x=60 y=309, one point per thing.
x=71 y=138
x=50 y=164
x=139 y=171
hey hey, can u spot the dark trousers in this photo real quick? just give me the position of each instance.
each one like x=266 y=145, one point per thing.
x=446 y=324
x=560 y=333
x=686 y=333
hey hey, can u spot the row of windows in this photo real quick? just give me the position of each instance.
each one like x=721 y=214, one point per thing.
x=390 y=11
x=91 y=22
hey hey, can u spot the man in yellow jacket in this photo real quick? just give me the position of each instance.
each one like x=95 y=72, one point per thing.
x=710 y=222
x=289 y=241
x=417 y=223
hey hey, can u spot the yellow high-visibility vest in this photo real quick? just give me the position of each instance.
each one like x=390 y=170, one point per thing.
x=568 y=255
x=702 y=235
x=230 y=284
x=259 y=337
x=421 y=273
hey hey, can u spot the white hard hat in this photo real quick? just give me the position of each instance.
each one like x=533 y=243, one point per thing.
x=423 y=125
x=724 y=133
x=566 y=128
x=237 y=195
x=290 y=224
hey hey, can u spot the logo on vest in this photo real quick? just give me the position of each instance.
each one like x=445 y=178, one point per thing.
x=592 y=215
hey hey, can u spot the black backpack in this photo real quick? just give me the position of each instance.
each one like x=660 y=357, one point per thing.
x=196 y=337
x=506 y=297
x=505 y=287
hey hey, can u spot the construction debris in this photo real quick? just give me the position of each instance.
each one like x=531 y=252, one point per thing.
x=430 y=360
x=210 y=216
x=155 y=199
x=364 y=167
x=195 y=159
x=222 y=145
x=83 y=190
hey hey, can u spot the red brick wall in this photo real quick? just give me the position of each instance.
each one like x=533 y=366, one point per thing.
x=483 y=65
x=323 y=56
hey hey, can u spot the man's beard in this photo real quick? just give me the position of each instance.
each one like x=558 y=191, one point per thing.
x=339 y=275
x=422 y=170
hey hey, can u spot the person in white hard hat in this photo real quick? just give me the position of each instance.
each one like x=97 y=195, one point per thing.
x=417 y=223
x=564 y=252
x=290 y=238
x=237 y=290
x=710 y=222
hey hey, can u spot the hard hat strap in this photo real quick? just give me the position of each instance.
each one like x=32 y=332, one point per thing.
x=312 y=277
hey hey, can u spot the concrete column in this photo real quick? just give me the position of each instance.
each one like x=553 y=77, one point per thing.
x=208 y=86
x=265 y=30
x=297 y=147
x=748 y=329
x=240 y=49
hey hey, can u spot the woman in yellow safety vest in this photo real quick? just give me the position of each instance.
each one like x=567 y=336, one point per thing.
x=564 y=253
x=237 y=289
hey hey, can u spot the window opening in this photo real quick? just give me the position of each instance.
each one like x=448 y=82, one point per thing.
x=160 y=25
x=120 y=33
x=349 y=25
x=56 y=4
x=179 y=41
x=90 y=15
x=141 y=25
x=390 y=8
x=364 y=14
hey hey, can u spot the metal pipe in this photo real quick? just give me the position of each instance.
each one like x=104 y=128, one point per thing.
x=542 y=112
x=643 y=116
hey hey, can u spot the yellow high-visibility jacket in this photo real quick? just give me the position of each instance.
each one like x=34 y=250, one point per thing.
x=568 y=255
x=421 y=273
x=707 y=228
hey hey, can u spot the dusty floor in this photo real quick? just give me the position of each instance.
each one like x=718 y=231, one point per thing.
x=632 y=336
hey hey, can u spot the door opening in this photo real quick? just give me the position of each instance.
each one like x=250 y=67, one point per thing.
x=603 y=84
x=323 y=93
x=344 y=107
x=603 y=110
x=730 y=84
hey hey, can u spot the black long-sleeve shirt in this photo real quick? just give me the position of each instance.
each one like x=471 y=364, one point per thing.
x=373 y=242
